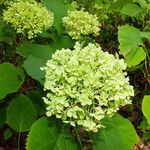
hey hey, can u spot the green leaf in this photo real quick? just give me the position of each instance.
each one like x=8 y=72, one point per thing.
x=21 y=113
x=11 y=79
x=131 y=10
x=129 y=38
x=38 y=102
x=32 y=66
x=7 y=134
x=143 y=125
x=118 y=133
x=119 y=4
x=7 y=34
x=145 y=35
x=51 y=135
x=135 y=56
x=59 y=9
x=2 y=115
x=2 y=1
x=146 y=107
x=43 y=52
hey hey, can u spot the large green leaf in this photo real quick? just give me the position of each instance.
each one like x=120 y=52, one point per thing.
x=59 y=9
x=21 y=113
x=131 y=10
x=129 y=38
x=50 y=135
x=32 y=66
x=135 y=56
x=118 y=134
x=11 y=79
x=43 y=52
x=146 y=107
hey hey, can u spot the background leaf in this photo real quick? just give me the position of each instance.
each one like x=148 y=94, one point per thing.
x=2 y=115
x=38 y=102
x=145 y=35
x=146 y=107
x=51 y=135
x=118 y=133
x=119 y=4
x=59 y=9
x=11 y=79
x=21 y=113
x=131 y=10
x=7 y=34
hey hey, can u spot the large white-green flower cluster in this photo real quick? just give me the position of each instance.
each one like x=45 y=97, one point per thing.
x=85 y=85
x=28 y=17
x=80 y=23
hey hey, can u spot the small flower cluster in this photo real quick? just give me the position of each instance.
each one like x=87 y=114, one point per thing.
x=28 y=17
x=80 y=23
x=85 y=85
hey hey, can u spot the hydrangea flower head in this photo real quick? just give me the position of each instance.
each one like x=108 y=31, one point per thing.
x=81 y=23
x=85 y=85
x=28 y=17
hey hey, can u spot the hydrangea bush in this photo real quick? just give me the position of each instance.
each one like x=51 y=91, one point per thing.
x=80 y=23
x=85 y=85
x=28 y=17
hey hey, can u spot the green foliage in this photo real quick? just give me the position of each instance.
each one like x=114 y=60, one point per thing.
x=59 y=9
x=84 y=88
x=32 y=66
x=36 y=55
x=7 y=34
x=2 y=115
x=135 y=56
x=39 y=51
x=119 y=133
x=36 y=98
x=131 y=10
x=130 y=40
x=7 y=134
x=145 y=107
x=21 y=113
x=52 y=134
x=11 y=79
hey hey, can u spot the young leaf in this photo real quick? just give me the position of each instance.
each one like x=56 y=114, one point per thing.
x=59 y=9
x=146 y=107
x=50 y=135
x=135 y=56
x=131 y=10
x=11 y=79
x=129 y=38
x=21 y=113
x=118 y=133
